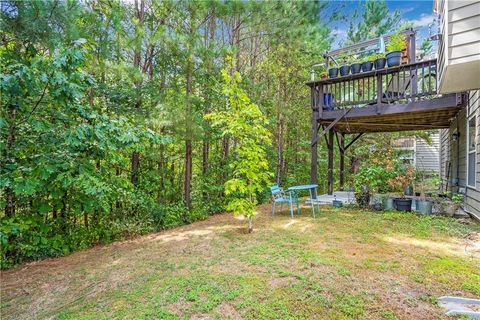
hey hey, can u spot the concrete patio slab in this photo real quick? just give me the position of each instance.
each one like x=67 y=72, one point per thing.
x=345 y=196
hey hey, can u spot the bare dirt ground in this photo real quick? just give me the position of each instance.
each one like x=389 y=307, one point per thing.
x=345 y=264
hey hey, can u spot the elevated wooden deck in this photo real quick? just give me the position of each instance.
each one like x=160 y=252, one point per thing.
x=435 y=113
x=402 y=98
x=392 y=99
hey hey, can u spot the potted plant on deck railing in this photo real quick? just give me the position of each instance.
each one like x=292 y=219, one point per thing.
x=367 y=63
x=333 y=72
x=379 y=60
x=356 y=65
x=344 y=70
x=394 y=47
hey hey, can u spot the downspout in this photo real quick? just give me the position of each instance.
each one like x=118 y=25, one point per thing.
x=457 y=184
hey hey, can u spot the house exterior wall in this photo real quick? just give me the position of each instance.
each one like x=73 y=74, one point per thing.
x=427 y=155
x=453 y=155
x=459 y=46
x=422 y=155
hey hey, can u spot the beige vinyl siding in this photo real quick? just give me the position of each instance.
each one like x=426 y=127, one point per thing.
x=459 y=49
x=463 y=30
x=473 y=194
x=457 y=158
x=427 y=155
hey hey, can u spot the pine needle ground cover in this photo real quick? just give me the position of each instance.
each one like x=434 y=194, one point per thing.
x=345 y=264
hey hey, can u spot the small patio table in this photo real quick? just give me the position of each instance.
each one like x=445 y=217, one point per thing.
x=312 y=189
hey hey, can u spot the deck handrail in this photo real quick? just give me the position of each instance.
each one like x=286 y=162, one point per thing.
x=370 y=73
x=407 y=82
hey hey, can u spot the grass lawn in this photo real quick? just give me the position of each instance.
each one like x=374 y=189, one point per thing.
x=345 y=264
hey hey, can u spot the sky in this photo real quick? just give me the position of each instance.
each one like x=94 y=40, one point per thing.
x=419 y=12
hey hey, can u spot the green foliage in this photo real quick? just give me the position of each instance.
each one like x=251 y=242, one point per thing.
x=374 y=56
x=457 y=198
x=396 y=42
x=100 y=98
x=375 y=176
x=244 y=122
x=375 y=20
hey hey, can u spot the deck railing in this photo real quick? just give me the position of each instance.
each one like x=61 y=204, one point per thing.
x=405 y=83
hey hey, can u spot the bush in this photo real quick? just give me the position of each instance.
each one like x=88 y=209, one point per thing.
x=29 y=238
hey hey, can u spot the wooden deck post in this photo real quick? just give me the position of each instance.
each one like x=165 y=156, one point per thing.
x=341 y=147
x=314 y=145
x=330 y=162
x=412 y=51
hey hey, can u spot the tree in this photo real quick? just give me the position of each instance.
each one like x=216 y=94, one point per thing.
x=375 y=20
x=244 y=122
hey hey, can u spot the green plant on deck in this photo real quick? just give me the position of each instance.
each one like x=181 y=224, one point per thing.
x=244 y=122
x=396 y=42
x=355 y=59
x=374 y=56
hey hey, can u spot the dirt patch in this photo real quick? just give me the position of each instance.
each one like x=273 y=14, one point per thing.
x=227 y=311
x=280 y=282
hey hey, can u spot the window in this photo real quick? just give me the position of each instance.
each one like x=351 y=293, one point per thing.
x=471 y=151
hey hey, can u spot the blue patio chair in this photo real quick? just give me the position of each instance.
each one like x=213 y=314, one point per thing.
x=279 y=196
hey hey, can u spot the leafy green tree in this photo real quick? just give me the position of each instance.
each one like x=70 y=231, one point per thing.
x=102 y=122
x=244 y=122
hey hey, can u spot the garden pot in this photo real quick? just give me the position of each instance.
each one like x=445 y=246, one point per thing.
x=337 y=203
x=393 y=58
x=380 y=63
x=344 y=70
x=327 y=99
x=424 y=206
x=367 y=66
x=403 y=204
x=355 y=68
x=408 y=191
x=388 y=204
x=332 y=72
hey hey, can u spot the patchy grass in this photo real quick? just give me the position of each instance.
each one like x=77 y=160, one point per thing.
x=345 y=264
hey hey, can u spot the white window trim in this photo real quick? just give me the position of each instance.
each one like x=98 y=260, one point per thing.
x=474 y=151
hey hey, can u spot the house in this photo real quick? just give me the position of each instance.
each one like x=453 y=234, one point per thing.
x=435 y=94
x=423 y=155
x=459 y=71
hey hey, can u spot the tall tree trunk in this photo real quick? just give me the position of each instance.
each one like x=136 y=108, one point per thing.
x=205 y=155
x=187 y=182
x=9 y=193
x=137 y=57
x=280 y=134
x=161 y=172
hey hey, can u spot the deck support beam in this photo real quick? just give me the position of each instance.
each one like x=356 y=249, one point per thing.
x=314 y=150
x=341 y=147
x=330 y=163
x=316 y=106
